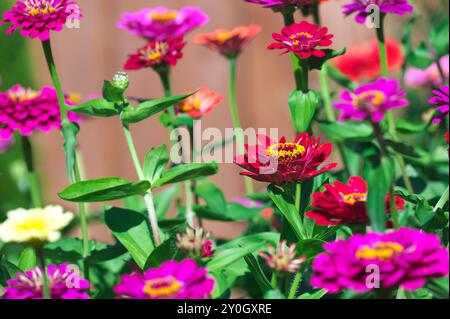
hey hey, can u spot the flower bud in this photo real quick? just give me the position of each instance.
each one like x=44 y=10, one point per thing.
x=121 y=81
x=195 y=243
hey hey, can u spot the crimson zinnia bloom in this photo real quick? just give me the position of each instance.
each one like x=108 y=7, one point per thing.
x=362 y=62
x=156 y=54
x=304 y=39
x=345 y=203
x=229 y=42
x=200 y=103
x=36 y=18
x=285 y=162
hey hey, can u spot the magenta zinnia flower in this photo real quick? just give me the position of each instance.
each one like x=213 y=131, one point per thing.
x=372 y=100
x=156 y=54
x=27 y=111
x=36 y=18
x=441 y=99
x=63 y=283
x=162 y=23
x=173 y=280
x=360 y=7
x=304 y=39
x=405 y=258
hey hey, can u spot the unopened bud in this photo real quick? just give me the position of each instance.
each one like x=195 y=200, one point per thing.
x=121 y=81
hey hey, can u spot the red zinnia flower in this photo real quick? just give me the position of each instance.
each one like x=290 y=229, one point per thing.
x=285 y=162
x=304 y=39
x=156 y=54
x=345 y=204
x=362 y=62
x=229 y=42
x=199 y=104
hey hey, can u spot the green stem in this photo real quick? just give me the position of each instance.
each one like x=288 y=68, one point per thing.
x=236 y=121
x=33 y=181
x=149 y=196
x=441 y=71
x=83 y=222
x=326 y=96
x=298 y=201
x=46 y=294
x=294 y=286
x=442 y=201
x=274 y=280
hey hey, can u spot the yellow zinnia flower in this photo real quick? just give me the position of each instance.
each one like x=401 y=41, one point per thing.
x=34 y=225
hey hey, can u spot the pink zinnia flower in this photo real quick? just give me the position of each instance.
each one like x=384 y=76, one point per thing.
x=440 y=99
x=199 y=104
x=406 y=258
x=430 y=76
x=304 y=39
x=162 y=23
x=156 y=54
x=195 y=243
x=372 y=100
x=36 y=18
x=283 y=258
x=360 y=7
x=63 y=283
x=173 y=280
x=28 y=111
x=5 y=144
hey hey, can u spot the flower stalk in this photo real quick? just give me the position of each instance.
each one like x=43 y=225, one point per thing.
x=45 y=288
x=27 y=151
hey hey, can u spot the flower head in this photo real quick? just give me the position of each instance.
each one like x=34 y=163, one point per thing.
x=63 y=283
x=372 y=100
x=162 y=23
x=156 y=54
x=362 y=62
x=173 y=280
x=345 y=203
x=36 y=18
x=195 y=243
x=200 y=103
x=304 y=39
x=28 y=111
x=36 y=225
x=285 y=162
x=405 y=258
x=121 y=80
x=430 y=76
x=229 y=42
x=362 y=8
x=279 y=5
x=441 y=100
x=283 y=258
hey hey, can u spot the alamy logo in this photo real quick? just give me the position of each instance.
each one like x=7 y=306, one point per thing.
x=74 y=16
x=373 y=16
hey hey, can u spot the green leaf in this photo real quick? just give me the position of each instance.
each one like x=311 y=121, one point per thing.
x=257 y=273
x=403 y=148
x=439 y=39
x=104 y=189
x=96 y=108
x=213 y=196
x=7 y=270
x=28 y=259
x=185 y=172
x=70 y=131
x=168 y=250
x=310 y=248
x=163 y=200
x=420 y=57
x=317 y=63
x=315 y=295
x=405 y=127
x=303 y=108
x=261 y=238
x=132 y=230
x=233 y=212
x=150 y=108
x=106 y=254
x=439 y=287
x=155 y=161
x=111 y=93
x=224 y=258
x=274 y=295
x=347 y=131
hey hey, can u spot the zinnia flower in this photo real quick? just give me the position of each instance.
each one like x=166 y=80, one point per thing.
x=285 y=162
x=27 y=111
x=36 y=225
x=195 y=243
x=229 y=42
x=405 y=258
x=283 y=258
x=162 y=23
x=442 y=101
x=279 y=5
x=173 y=280
x=360 y=7
x=345 y=203
x=156 y=54
x=304 y=39
x=362 y=62
x=36 y=18
x=372 y=100
x=200 y=103
x=431 y=76
x=63 y=283
x=5 y=144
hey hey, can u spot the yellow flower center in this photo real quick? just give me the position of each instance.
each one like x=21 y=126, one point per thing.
x=164 y=16
x=368 y=98
x=33 y=223
x=381 y=250
x=162 y=287
x=285 y=152
x=156 y=54
x=224 y=36
x=354 y=198
x=22 y=95
x=35 y=8
x=191 y=104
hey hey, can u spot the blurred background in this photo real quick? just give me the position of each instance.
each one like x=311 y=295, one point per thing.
x=95 y=52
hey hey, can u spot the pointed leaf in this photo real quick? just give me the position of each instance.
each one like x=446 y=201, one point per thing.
x=155 y=161
x=185 y=172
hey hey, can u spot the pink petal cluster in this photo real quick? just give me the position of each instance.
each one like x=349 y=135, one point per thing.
x=36 y=18
x=63 y=283
x=405 y=258
x=441 y=100
x=28 y=111
x=430 y=76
